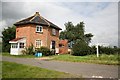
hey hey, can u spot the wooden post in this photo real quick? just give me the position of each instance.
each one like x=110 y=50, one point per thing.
x=97 y=50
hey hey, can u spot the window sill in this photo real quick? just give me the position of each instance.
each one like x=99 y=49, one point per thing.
x=53 y=35
x=40 y=32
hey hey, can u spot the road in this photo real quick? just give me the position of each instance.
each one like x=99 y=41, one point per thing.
x=87 y=70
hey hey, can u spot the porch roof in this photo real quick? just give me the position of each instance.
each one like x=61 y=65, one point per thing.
x=15 y=40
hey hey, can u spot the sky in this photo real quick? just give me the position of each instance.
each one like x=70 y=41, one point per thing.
x=100 y=18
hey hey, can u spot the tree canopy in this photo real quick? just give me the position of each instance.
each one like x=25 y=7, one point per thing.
x=75 y=32
x=7 y=35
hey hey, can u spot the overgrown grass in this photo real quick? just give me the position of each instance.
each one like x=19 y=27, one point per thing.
x=14 y=70
x=102 y=59
x=18 y=56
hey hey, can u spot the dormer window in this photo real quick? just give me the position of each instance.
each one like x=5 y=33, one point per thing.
x=39 y=28
x=53 y=32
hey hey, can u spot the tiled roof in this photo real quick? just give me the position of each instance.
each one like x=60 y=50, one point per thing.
x=16 y=39
x=37 y=19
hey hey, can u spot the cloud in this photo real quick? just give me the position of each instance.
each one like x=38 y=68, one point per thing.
x=101 y=18
x=2 y=23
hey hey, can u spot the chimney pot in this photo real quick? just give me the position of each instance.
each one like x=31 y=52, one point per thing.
x=37 y=13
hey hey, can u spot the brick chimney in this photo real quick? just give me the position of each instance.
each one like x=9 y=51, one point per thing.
x=37 y=14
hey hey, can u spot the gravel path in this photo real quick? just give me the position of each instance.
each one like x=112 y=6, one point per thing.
x=87 y=70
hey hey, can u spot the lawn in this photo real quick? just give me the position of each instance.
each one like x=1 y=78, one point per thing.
x=14 y=70
x=102 y=59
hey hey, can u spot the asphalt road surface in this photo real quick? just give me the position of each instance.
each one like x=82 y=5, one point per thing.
x=86 y=70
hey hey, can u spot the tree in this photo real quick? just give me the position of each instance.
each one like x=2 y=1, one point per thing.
x=78 y=40
x=79 y=31
x=88 y=38
x=73 y=33
x=69 y=32
x=80 y=48
x=62 y=35
x=7 y=35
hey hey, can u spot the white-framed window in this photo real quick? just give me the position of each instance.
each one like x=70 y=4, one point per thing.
x=39 y=28
x=14 y=45
x=53 y=32
x=21 y=45
x=38 y=43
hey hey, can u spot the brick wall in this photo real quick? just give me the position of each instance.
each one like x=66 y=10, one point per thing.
x=63 y=49
x=29 y=31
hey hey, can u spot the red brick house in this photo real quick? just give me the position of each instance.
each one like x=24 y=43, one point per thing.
x=35 y=30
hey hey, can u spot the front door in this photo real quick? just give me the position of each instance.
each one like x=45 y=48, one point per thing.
x=53 y=44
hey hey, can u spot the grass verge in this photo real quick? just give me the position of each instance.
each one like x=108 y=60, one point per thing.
x=102 y=59
x=14 y=70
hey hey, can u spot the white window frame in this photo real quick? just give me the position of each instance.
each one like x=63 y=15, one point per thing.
x=38 y=44
x=22 y=46
x=14 y=45
x=53 y=31
x=39 y=28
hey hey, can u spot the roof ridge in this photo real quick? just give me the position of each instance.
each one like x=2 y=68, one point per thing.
x=37 y=19
x=32 y=18
x=24 y=19
x=36 y=14
x=45 y=20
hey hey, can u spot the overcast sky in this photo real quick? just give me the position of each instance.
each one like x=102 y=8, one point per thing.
x=100 y=18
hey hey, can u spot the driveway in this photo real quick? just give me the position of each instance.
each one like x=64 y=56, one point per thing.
x=87 y=70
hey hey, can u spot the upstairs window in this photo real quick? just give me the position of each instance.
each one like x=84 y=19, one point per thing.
x=39 y=28
x=53 y=32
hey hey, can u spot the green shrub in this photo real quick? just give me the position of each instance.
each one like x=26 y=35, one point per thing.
x=80 y=48
x=108 y=50
x=29 y=50
x=105 y=50
x=44 y=50
x=93 y=50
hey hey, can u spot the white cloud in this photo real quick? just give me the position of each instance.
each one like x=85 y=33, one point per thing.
x=101 y=19
x=105 y=25
x=2 y=23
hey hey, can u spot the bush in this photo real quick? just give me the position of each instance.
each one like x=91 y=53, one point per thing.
x=108 y=50
x=80 y=48
x=105 y=50
x=93 y=50
x=29 y=50
x=44 y=50
x=7 y=35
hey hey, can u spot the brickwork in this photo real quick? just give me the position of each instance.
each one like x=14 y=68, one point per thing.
x=29 y=31
x=63 y=48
